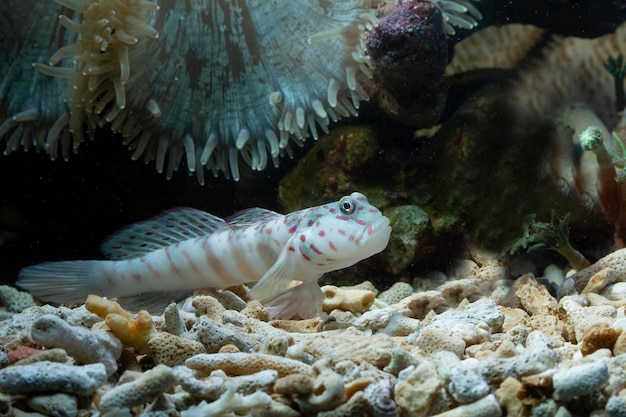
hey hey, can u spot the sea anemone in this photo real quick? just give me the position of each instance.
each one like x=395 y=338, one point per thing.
x=458 y=13
x=204 y=80
x=32 y=111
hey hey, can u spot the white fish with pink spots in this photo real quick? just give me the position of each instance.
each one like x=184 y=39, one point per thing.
x=164 y=258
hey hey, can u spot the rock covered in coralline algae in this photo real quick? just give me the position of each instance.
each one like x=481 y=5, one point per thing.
x=409 y=55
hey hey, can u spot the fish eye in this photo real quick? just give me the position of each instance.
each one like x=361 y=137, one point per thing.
x=347 y=205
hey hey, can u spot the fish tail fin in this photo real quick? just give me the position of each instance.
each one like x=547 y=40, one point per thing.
x=62 y=282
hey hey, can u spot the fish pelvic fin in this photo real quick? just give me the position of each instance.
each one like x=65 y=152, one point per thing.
x=304 y=300
x=288 y=267
x=63 y=282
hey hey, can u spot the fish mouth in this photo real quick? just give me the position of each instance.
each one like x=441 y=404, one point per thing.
x=376 y=234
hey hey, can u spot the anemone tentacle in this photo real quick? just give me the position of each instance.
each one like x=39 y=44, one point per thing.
x=211 y=83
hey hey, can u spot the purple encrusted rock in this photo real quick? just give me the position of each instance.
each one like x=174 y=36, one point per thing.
x=409 y=55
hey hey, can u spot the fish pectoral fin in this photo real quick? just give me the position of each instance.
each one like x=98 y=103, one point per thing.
x=154 y=302
x=277 y=278
x=304 y=300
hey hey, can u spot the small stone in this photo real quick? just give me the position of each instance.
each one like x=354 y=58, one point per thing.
x=579 y=380
x=214 y=335
x=534 y=297
x=240 y=363
x=485 y=407
x=616 y=407
x=416 y=394
x=173 y=322
x=54 y=405
x=142 y=390
x=600 y=280
x=620 y=343
x=599 y=336
x=432 y=340
x=294 y=384
x=15 y=300
x=508 y=398
x=82 y=344
x=353 y=300
x=172 y=350
x=52 y=376
x=615 y=292
x=466 y=382
x=255 y=310
x=207 y=305
x=396 y=292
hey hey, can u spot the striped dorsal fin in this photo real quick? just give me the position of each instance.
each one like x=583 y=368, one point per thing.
x=170 y=227
x=251 y=216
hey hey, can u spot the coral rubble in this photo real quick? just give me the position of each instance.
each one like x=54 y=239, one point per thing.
x=479 y=344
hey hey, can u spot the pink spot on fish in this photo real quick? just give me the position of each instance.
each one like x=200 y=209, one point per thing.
x=191 y=262
x=314 y=249
x=341 y=232
x=268 y=230
x=332 y=246
x=310 y=222
x=153 y=270
x=173 y=266
x=341 y=218
x=293 y=228
x=321 y=233
x=302 y=238
x=136 y=277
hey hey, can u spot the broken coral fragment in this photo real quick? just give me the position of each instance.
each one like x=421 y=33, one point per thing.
x=52 y=376
x=142 y=390
x=240 y=363
x=347 y=299
x=83 y=345
x=171 y=350
x=132 y=332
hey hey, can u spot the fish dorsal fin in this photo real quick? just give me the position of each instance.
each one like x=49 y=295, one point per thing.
x=170 y=227
x=251 y=216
